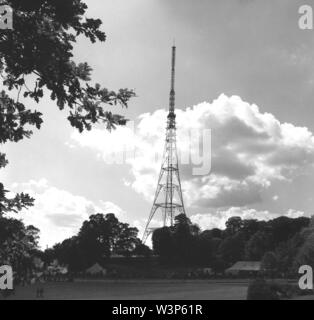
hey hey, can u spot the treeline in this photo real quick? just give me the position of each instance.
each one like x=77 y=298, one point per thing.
x=282 y=244
x=98 y=239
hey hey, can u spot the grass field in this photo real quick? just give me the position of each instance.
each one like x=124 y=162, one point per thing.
x=138 y=290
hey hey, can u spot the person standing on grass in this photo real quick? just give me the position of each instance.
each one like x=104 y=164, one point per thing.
x=39 y=287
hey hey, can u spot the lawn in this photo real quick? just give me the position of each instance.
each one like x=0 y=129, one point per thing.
x=138 y=290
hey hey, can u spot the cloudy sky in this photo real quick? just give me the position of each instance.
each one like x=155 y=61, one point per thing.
x=244 y=70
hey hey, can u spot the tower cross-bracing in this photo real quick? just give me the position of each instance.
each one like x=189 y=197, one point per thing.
x=168 y=200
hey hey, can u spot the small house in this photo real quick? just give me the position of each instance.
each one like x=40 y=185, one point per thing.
x=244 y=268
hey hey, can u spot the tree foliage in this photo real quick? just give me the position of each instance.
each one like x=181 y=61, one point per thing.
x=276 y=243
x=305 y=255
x=18 y=243
x=36 y=59
x=258 y=244
x=41 y=47
x=100 y=237
x=163 y=243
x=269 y=262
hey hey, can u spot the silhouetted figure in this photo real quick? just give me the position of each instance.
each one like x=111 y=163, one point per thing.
x=39 y=288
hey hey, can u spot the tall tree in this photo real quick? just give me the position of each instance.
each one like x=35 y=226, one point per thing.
x=36 y=58
x=18 y=243
x=232 y=248
x=269 y=262
x=258 y=245
x=233 y=225
x=306 y=252
x=163 y=243
x=99 y=237
x=70 y=253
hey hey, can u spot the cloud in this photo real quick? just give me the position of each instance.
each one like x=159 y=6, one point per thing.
x=58 y=213
x=65 y=220
x=218 y=218
x=249 y=150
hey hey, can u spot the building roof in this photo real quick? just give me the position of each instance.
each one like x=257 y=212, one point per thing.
x=245 y=266
x=96 y=268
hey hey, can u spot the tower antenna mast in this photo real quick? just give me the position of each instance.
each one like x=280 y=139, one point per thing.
x=168 y=200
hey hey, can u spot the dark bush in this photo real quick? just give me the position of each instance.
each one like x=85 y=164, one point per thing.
x=306 y=292
x=261 y=290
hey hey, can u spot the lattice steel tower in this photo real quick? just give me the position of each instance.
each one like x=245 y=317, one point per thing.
x=168 y=199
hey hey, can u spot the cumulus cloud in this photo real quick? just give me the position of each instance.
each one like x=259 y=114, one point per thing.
x=249 y=150
x=58 y=213
x=218 y=218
